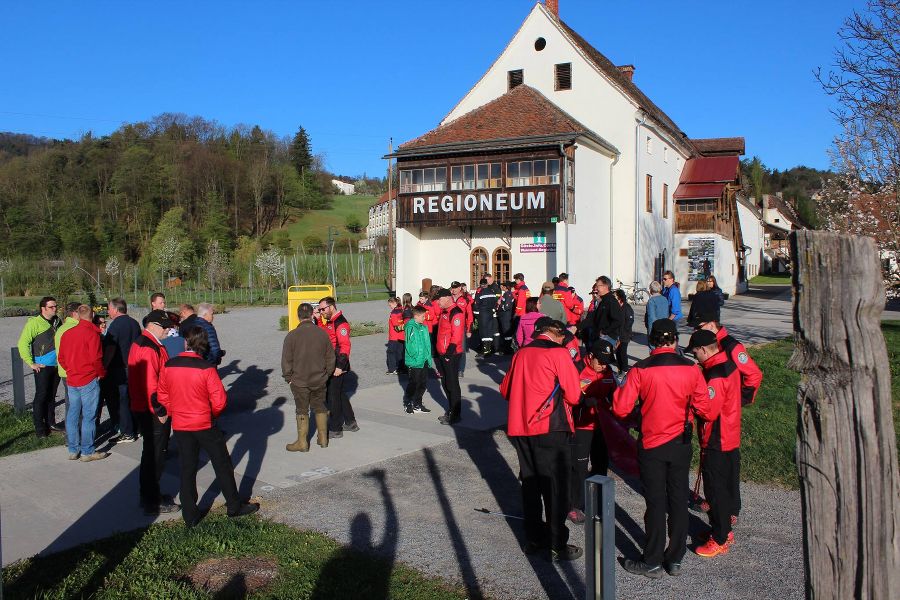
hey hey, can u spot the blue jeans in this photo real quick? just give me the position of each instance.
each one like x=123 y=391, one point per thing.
x=81 y=423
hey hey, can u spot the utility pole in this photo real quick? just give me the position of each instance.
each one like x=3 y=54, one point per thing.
x=390 y=207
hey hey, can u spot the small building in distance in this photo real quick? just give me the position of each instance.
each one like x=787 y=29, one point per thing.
x=380 y=220
x=779 y=219
x=347 y=189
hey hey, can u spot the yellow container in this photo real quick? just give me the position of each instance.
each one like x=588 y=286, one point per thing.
x=298 y=294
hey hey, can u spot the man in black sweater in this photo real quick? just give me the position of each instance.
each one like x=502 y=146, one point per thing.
x=608 y=314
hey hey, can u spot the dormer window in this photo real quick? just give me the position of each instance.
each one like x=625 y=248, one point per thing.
x=515 y=78
x=564 y=76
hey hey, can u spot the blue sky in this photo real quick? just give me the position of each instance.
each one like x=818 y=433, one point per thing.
x=355 y=73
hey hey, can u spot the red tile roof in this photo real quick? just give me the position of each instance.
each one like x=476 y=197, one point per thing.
x=720 y=146
x=696 y=191
x=519 y=113
x=710 y=169
x=384 y=197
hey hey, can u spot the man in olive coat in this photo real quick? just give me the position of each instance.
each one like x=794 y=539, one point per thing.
x=307 y=360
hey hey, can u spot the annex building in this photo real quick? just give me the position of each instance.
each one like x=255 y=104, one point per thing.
x=555 y=161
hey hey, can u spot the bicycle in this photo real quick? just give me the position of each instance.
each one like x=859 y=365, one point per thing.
x=635 y=294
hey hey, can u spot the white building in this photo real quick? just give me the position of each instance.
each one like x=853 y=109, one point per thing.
x=554 y=161
x=347 y=189
x=380 y=220
x=753 y=234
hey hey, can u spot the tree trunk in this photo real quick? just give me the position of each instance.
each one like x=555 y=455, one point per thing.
x=846 y=448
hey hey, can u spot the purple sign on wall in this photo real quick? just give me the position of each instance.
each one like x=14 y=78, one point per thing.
x=545 y=247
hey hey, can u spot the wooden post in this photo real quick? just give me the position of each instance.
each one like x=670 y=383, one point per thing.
x=846 y=449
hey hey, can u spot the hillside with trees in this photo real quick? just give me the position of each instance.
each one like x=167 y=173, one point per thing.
x=798 y=185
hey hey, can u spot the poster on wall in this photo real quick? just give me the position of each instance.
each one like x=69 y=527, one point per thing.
x=701 y=258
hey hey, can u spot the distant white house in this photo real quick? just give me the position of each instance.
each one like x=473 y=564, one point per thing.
x=380 y=220
x=347 y=189
x=752 y=236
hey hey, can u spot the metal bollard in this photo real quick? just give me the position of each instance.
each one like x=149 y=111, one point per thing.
x=18 y=381
x=600 y=538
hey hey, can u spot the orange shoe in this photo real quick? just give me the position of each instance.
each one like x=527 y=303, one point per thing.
x=711 y=549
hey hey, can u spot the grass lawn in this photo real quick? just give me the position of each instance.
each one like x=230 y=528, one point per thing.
x=356 y=330
x=316 y=222
x=17 y=433
x=769 y=427
x=784 y=279
x=152 y=563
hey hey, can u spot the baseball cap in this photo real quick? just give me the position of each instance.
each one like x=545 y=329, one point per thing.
x=159 y=317
x=545 y=322
x=423 y=294
x=604 y=352
x=705 y=316
x=455 y=285
x=701 y=338
x=663 y=326
x=444 y=293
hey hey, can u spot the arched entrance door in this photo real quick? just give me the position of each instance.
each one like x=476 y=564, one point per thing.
x=479 y=262
x=502 y=265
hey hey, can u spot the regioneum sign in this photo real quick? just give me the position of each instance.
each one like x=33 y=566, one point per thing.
x=525 y=206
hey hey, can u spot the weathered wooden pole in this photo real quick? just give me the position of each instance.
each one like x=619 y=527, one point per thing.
x=846 y=449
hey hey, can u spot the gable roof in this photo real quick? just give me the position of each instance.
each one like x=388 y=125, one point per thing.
x=519 y=115
x=720 y=146
x=706 y=177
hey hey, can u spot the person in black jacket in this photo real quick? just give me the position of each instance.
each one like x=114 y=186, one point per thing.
x=625 y=331
x=608 y=314
x=505 y=311
x=705 y=301
x=486 y=299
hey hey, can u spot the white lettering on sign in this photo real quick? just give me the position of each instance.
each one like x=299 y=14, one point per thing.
x=484 y=202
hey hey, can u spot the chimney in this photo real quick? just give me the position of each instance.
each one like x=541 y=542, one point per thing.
x=627 y=71
x=552 y=6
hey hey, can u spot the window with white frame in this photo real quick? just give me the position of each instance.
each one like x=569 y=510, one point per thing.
x=666 y=153
x=649 y=145
x=532 y=172
x=423 y=180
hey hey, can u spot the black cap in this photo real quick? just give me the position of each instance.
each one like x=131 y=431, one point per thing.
x=604 y=352
x=663 y=326
x=455 y=285
x=444 y=293
x=701 y=338
x=158 y=317
x=547 y=322
x=705 y=316
x=423 y=294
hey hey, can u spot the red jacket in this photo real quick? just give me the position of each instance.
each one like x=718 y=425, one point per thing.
x=669 y=386
x=594 y=385
x=572 y=304
x=191 y=391
x=571 y=343
x=522 y=294
x=431 y=316
x=146 y=361
x=541 y=387
x=464 y=302
x=80 y=354
x=724 y=383
x=751 y=375
x=395 y=325
x=451 y=331
x=338 y=329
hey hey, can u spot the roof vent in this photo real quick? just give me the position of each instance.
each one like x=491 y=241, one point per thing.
x=627 y=71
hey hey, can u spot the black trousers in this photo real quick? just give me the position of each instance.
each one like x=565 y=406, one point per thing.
x=505 y=319
x=488 y=333
x=213 y=443
x=664 y=475
x=395 y=350
x=718 y=469
x=544 y=470
x=43 y=409
x=153 y=455
x=449 y=370
x=589 y=444
x=339 y=407
x=416 y=386
x=622 y=355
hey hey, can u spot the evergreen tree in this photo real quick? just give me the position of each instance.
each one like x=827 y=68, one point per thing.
x=215 y=224
x=299 y=152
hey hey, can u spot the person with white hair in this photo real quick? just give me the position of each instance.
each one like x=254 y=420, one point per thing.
x=205 y=316
x=657 y=308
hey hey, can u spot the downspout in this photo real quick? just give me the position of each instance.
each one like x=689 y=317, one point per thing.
x=637 y=193
x=565 y=191
x=611 y=211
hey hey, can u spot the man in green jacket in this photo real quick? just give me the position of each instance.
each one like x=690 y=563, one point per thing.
x=37 y=348
x=418 y=360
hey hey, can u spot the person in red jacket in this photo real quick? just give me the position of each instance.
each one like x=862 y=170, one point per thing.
x=720 y=440
x=451 y=335
x=396 y=336
x=146 y=360
x=597 y=385
x=430 y=318
x=751 y=374
x=542 y=387
x=81 y=355
x=341 y=417
x=192 y=393
x=462 y=299
x=670 y=388
x=572 y=303
x=520 y=290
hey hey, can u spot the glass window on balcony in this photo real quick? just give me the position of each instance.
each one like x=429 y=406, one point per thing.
x=456 y=178
x=469 y=177
x=553 y=171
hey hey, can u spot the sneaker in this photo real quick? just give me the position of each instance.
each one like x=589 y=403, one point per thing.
x=673 y=568
x=57 y=428
x=168 y=507
x=639 y=567
x=707 y=535
x=335 y=434
x=94 y=456
x=447 y=420
x=576 y=516
x=245 y=509
x=74 y=455
x=409 y=409
x=126 y=439
x=390 y=372
x=114 y=435
x=570 y=552
x=711 y=549
x=351 y=426
x=421 y=409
